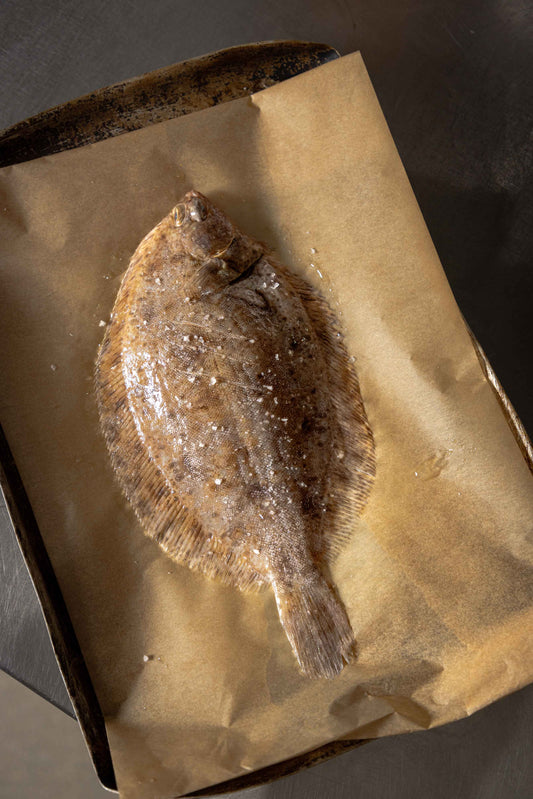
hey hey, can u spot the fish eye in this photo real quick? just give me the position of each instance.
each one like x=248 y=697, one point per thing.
x=197 y=209
x=180 y=214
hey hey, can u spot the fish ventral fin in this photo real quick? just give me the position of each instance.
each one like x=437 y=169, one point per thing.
x=352 y=467
x=161 y=513
x=317 y=626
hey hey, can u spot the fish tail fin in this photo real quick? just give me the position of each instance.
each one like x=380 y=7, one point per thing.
x=317 y=626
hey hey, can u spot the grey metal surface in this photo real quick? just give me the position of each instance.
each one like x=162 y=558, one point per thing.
x=25 y=649
x=455 y=83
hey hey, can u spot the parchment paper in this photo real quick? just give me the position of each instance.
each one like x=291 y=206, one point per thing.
x=437 y=577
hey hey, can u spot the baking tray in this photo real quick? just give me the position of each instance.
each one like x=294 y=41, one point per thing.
x=160 y=95
x=130 y=105
x=155 y=97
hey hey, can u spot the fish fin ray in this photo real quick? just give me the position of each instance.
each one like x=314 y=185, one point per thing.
x=353 y=466
x=162 y=515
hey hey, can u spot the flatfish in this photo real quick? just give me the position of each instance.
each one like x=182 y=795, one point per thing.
x=234 y=421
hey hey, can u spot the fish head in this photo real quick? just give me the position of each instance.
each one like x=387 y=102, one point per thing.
x=221 y=250
x=204 y=231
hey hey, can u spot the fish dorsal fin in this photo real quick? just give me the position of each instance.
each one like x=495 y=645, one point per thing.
x=162 y=514
x=353 y=466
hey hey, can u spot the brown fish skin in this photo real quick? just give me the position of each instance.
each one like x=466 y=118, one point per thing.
x=234 y=420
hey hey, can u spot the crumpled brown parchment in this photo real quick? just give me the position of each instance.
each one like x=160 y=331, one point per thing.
x=197 y=682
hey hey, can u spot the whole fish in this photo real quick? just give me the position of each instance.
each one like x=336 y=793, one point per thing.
x=234 y=420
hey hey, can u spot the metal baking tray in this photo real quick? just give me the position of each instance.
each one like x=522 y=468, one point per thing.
x=155 y=97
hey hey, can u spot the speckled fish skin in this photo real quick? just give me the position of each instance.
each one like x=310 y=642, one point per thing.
x=234 y=421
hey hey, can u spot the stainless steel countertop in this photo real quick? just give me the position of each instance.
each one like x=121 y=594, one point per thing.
x=455 y=84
